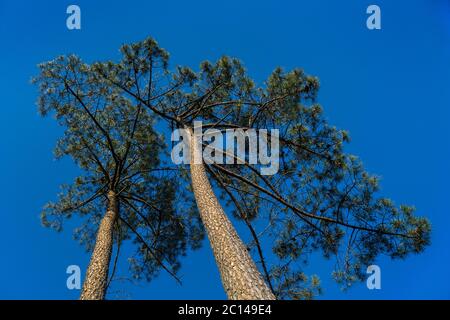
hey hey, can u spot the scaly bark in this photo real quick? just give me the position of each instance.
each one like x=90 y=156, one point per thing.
x=240 y=276
x=95 y=283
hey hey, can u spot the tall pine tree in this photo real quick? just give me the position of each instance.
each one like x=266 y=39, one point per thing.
x=125 y=190
x=321 y=199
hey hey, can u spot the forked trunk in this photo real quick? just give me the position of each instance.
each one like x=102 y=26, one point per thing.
x=94 y=286
x=240 y=276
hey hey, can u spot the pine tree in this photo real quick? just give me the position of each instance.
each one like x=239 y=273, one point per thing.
x=321 y=199
x=125 y=191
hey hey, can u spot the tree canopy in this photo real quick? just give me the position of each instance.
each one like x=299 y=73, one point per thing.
x=321 y=200
x=115 y=145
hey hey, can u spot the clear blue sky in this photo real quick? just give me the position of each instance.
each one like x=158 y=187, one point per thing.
x=389 y=88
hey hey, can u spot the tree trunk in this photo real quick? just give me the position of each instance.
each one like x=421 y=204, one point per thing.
x=94 y=286
x=240 y=276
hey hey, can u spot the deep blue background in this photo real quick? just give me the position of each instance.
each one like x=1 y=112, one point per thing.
x=389 y=88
